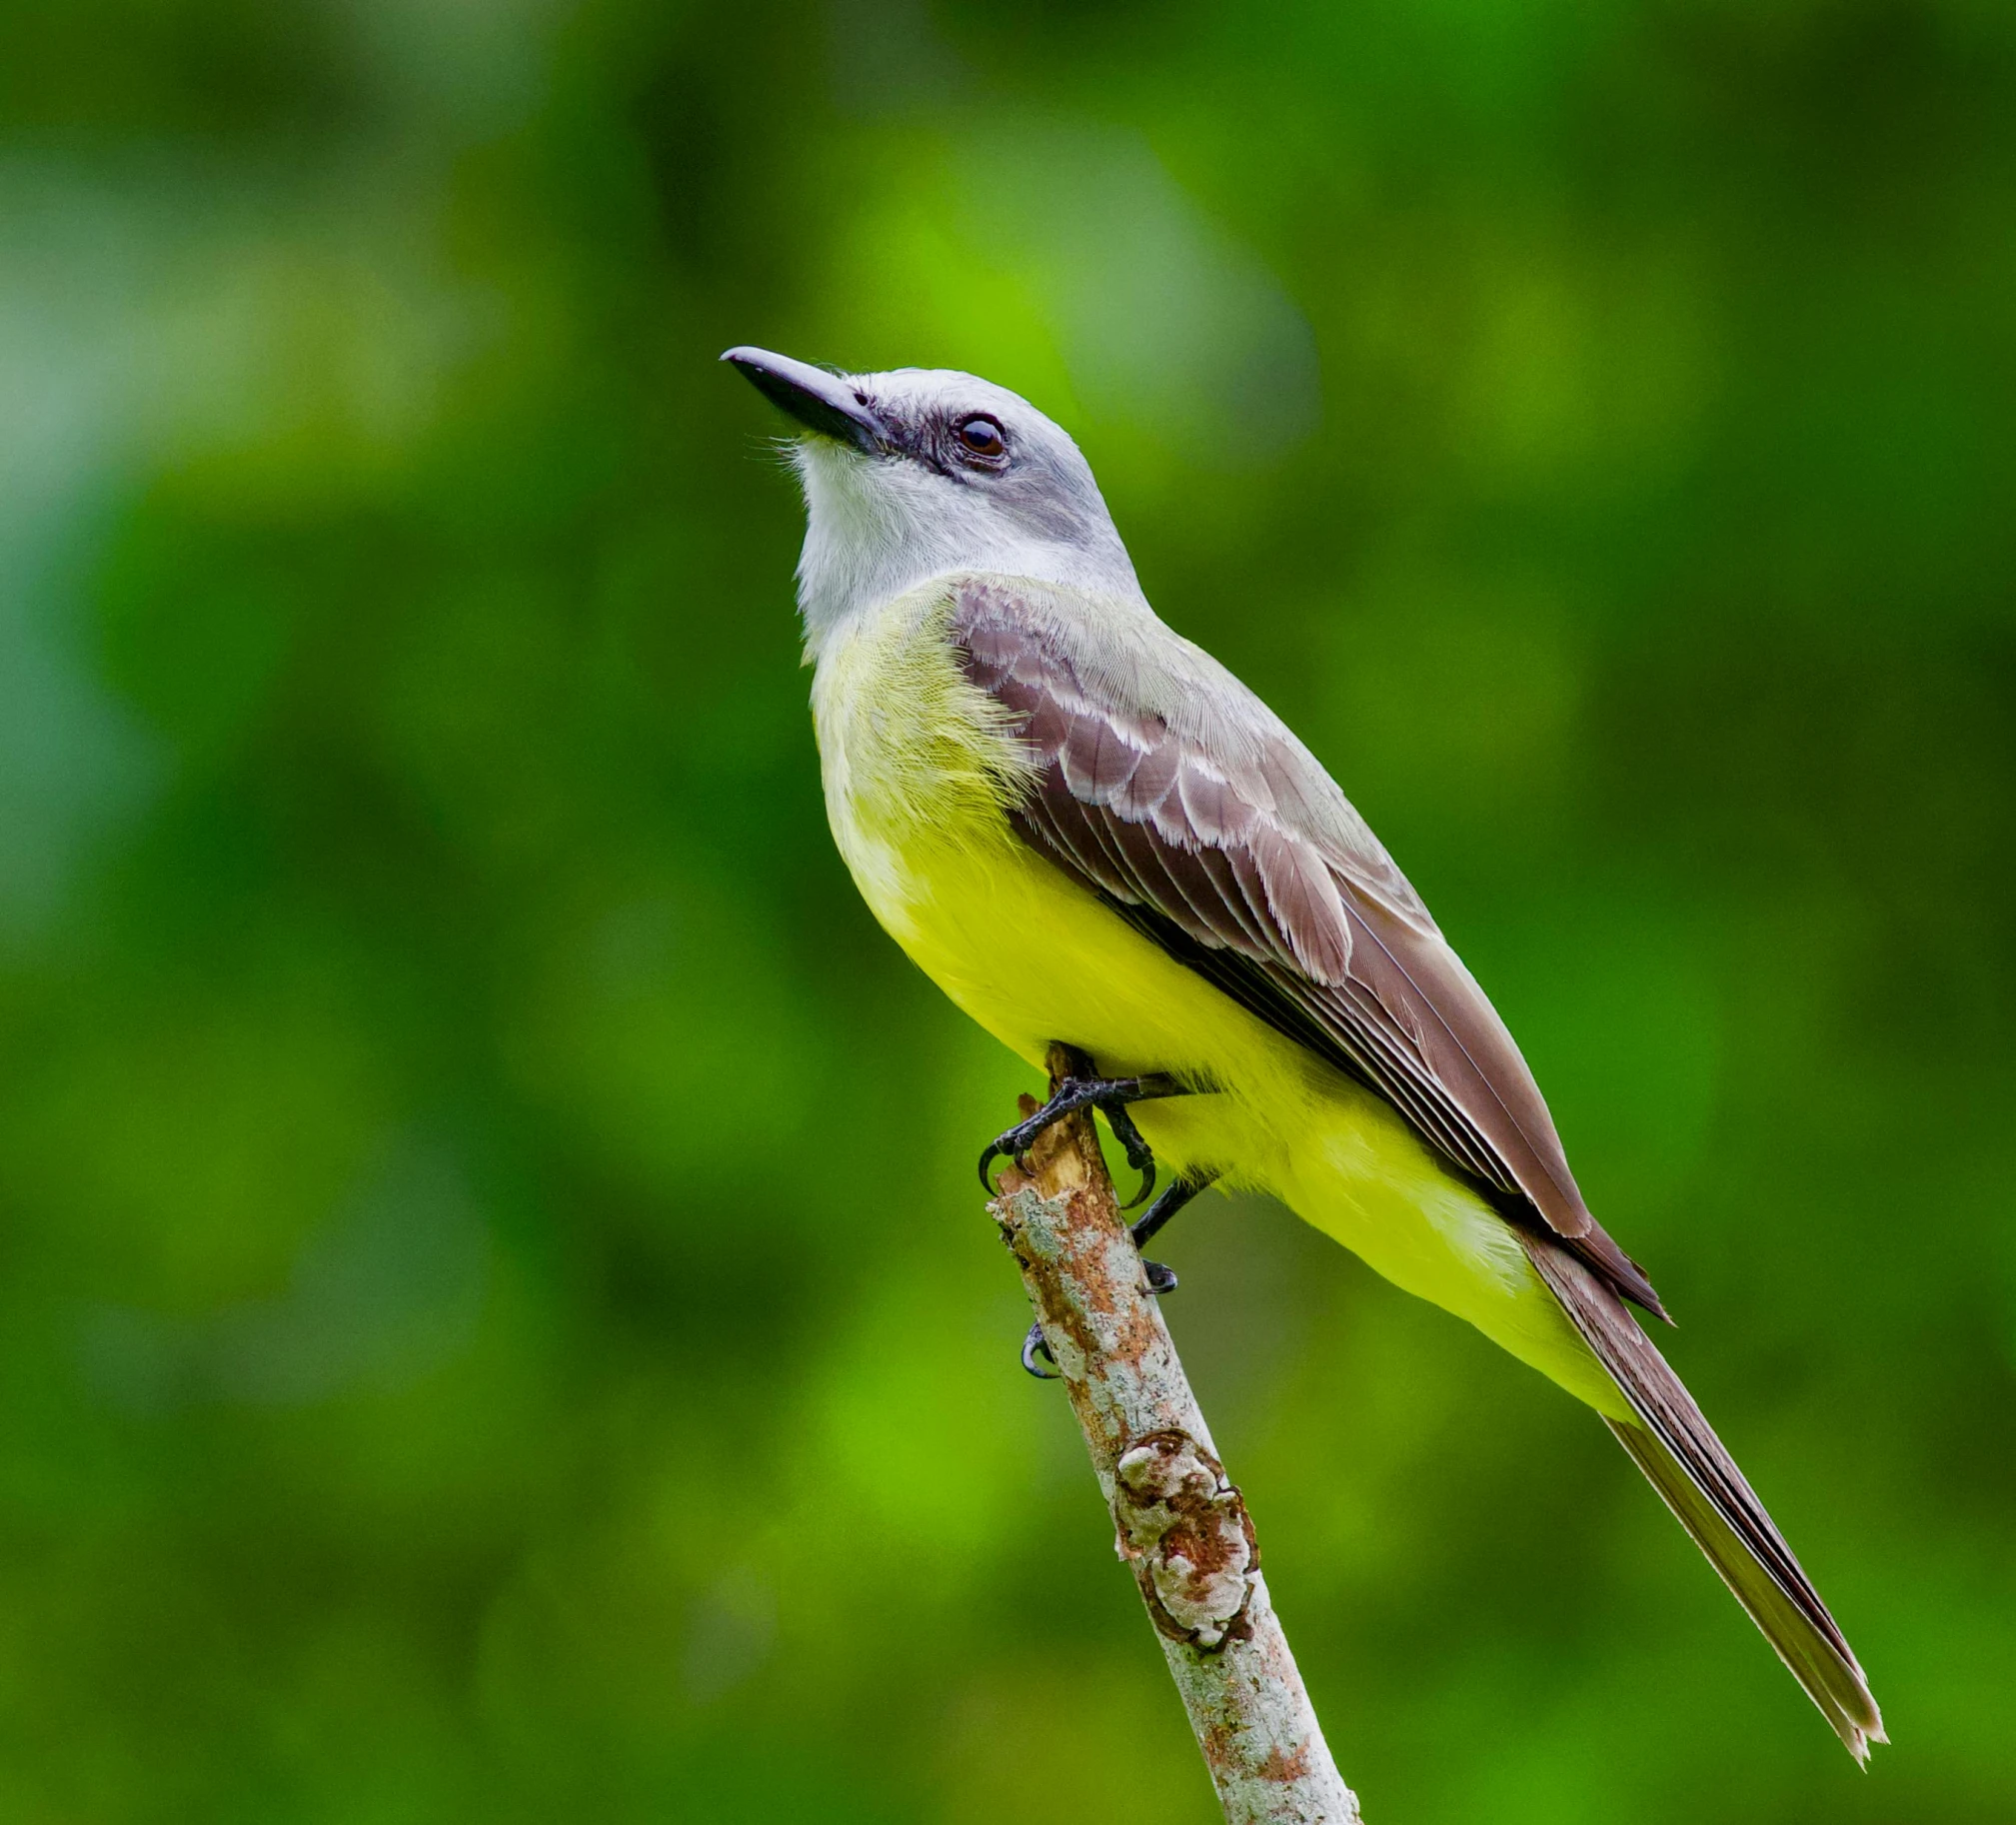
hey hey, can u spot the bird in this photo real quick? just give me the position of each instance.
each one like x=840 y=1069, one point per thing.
x=1089 y=832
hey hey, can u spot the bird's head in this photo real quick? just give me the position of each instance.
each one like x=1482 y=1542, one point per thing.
x=914 y=473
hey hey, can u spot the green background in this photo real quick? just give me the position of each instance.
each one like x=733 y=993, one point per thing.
x=496 y=1319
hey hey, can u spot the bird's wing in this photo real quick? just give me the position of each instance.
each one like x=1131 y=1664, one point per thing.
x=1169 y=789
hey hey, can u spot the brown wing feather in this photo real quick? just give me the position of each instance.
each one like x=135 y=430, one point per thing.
x=1229 y=868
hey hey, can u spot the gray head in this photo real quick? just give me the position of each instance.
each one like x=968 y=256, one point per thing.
x=921 y=471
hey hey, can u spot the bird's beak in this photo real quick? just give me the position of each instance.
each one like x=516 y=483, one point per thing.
x=818 y=400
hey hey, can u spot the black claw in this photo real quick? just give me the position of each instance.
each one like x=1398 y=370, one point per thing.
x=1035 y=1346
x=1140 y=1154
x=1109 y=1093
x=1147 y=1187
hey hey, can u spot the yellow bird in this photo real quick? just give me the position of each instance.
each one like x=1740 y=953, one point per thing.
x=1084 y=830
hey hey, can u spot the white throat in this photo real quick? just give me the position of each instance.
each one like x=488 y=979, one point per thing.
x=876 y=529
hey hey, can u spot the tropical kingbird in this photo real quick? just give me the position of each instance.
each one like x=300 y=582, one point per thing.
x=1084 y=830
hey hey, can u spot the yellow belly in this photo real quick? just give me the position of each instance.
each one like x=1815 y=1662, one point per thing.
x=1033 y=957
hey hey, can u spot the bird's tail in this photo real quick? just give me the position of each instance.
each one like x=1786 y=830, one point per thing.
x=1678 y=1451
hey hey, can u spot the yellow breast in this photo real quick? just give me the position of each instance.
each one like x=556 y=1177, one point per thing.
x=921 y=773
x=919 y=766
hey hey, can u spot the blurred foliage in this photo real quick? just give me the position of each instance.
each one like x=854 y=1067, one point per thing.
x=456 y=1357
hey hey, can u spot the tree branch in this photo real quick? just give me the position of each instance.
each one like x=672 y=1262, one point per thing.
x=1179 y=1523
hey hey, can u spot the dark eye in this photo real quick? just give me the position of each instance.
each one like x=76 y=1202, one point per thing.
x=981 y=437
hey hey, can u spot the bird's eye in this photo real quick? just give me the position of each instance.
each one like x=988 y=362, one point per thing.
x=981 y=437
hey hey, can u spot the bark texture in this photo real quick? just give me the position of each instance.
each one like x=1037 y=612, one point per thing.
x=1180 y=1522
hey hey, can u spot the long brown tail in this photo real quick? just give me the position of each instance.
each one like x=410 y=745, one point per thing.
x=1678 y=1451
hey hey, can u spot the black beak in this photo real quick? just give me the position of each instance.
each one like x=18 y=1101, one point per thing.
x=816 y=399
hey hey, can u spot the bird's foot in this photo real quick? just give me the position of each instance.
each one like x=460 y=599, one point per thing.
x=1161 y=1279
x=1111 y=1094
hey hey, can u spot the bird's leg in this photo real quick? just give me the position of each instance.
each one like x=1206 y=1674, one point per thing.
x=1161 y=1278
x=1084 y=1089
